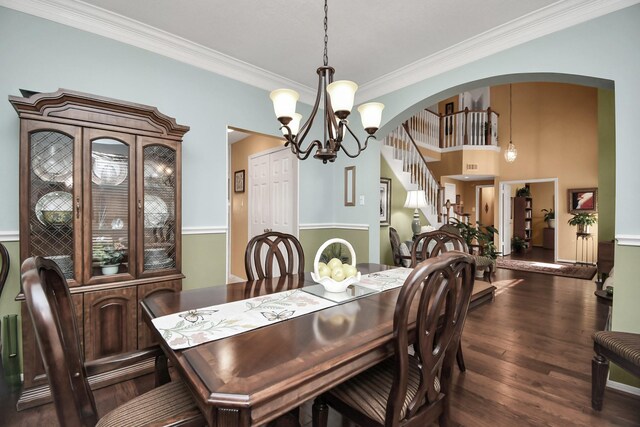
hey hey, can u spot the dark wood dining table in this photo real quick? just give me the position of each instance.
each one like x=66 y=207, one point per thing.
x=254 y=377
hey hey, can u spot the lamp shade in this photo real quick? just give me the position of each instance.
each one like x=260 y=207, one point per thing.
x=284 y=102
x=342 y=93
x=294 y=124
x=371 y=115
x=415 y=199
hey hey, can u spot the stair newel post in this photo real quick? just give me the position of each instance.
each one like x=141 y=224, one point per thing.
x=466 y=122
x=487 y=131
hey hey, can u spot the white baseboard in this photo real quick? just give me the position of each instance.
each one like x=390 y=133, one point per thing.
x=623 y=387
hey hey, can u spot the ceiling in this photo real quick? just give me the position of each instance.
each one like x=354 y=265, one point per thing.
x=382 y=45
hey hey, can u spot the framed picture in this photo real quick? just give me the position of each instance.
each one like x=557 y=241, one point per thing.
x=350 y=186
x=583 y=200
x=448 y=108
x=238 y=181
x=385 y=201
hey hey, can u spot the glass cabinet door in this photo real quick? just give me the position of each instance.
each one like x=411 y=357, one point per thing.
x=109 y=193
x=54 y=223
x=159 y=187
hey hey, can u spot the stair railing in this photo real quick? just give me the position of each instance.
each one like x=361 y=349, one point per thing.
x=464 y=127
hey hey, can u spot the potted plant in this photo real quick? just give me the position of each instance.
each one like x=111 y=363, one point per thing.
x=481 y=236
x=583 y=221
x=549 y=217
x=109 y=259
x=518 y=244
x=523 y=192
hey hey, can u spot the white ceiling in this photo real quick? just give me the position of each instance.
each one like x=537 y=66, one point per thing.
x=367 y=38
x=382 y=45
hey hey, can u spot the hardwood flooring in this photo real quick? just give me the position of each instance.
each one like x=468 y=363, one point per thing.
x=528 y=356
x=535 y=254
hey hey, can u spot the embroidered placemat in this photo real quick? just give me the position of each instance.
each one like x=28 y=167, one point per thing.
x=194 y=327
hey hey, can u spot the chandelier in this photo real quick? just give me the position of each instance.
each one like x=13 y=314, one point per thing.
x=338 y=99
x=511 y=153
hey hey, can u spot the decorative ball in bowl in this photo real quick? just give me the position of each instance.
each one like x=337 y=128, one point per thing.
x=335 y=276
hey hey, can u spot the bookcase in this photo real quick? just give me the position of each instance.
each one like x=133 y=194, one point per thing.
x=523 y=219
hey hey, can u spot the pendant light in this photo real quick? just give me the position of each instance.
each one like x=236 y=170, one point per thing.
x=338 y=102
x=511 y=152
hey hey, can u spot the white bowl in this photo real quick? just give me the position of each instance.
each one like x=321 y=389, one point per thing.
x=331 y=285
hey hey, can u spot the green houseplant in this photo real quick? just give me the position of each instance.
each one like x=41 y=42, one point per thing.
x=549 y=217
x=583 y=221
x=518 y=244
x=481 y=235
x=109 y=259
x=523 y=192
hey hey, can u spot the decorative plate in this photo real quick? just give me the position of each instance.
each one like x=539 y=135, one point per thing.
x=54 y=164
x=56 y=201
x=108 y=169
x=155 y=211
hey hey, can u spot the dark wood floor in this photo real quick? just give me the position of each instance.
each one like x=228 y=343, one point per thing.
x=535 y=254
x=528 y=355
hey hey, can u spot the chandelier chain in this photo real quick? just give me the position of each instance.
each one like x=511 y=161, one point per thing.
x=325 y=57
x=510 y=112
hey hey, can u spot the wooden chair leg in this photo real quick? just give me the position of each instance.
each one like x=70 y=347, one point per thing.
x=320 y=413
x=162 y=371
x=460 y=358
x=599 y=370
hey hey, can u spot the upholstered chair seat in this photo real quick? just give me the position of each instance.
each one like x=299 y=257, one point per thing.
x=623 y=349
x=169 y=401
x=369 y=391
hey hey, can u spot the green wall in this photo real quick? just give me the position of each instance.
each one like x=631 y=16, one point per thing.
x=400 y=217
x=606 y=165
x=204 y=260
x=312 y=239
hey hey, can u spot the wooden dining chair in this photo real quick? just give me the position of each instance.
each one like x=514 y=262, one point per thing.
x=5 y=261
x=412 y=389
x=50 y=308
x=432 y=244
x=401 y=254
x=265 y=250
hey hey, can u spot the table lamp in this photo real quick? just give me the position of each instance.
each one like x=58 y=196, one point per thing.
x=415 y=200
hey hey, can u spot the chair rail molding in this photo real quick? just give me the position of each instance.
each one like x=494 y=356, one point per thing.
x=343 y=226
x=628 y=239
x=9 y=236
x=204 y=230
x=93 y=19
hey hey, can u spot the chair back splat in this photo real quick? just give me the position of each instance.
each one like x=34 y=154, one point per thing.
x=436 y=297
x=434 y=243
x=265 y=250
x=51 y=310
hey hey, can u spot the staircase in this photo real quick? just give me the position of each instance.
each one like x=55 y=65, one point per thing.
x=439 y=132
x=400 y=151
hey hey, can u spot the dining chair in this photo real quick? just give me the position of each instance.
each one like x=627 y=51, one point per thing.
x=412 y=389
x=432 y=244
x=5 y=261
x=265 y=250
x=401 y=254
x=50 y=308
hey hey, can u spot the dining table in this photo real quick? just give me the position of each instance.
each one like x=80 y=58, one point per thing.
x=256 y=376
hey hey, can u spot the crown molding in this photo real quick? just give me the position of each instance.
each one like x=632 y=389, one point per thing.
x=86 y=17
x=555 y=17
x=93 y=19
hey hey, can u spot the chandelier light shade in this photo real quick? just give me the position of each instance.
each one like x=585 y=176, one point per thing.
x=416 y=199
x=337 y=98
x=511 y=152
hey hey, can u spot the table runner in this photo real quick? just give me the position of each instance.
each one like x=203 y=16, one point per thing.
x=194 y=327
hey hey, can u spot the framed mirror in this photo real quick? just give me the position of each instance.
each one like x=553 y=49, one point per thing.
x=350 y=186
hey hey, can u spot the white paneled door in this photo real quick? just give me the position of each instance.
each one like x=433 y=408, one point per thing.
x=507 y=219
x=273 y=193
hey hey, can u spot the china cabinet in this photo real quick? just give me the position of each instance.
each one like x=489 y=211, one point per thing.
x=100 y=194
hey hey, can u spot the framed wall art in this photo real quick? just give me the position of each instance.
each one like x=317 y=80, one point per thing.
x=583 y=200
x=385 y=201
x=238 y=181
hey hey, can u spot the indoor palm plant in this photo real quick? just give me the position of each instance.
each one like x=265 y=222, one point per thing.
x=549 y=217
x=583 y=221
